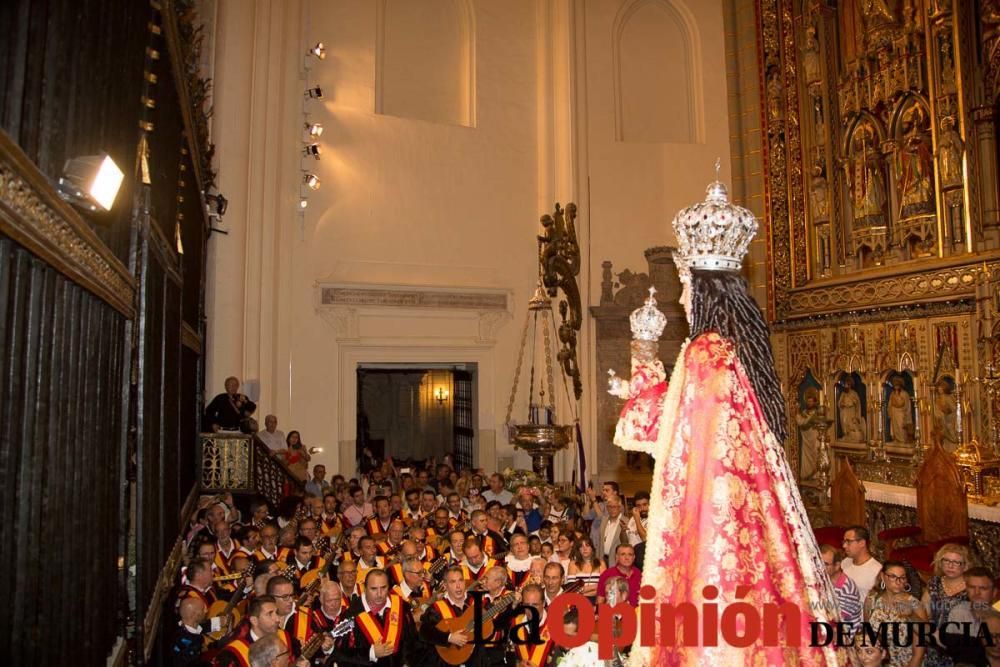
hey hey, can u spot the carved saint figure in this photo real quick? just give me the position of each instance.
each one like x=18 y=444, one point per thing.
x=807 y=420
x=774 y=95
x=819 y=195
x=900 y=408
x=950 y=152
x=916 y=172
x=867 y=186
x=810 y=56
x=944 y=411
x=853 y=425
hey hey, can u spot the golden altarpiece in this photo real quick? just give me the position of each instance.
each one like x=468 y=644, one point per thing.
x=881 y=189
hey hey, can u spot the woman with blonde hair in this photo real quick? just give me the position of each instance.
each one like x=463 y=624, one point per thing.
x=945 y=591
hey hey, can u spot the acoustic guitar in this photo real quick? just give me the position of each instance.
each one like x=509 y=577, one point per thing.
x=459 y=655
x=220 y=609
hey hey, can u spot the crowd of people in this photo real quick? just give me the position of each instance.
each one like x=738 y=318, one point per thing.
x=369 y=570
x=364 y=571
x=956 y=601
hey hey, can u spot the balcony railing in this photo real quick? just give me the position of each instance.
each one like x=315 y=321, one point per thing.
x=241 y=463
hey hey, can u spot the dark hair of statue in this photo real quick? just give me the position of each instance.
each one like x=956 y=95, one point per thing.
x=720 y=302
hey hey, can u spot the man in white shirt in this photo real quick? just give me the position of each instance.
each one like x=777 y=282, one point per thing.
x=271 y=436
x=860 y=565
x=498 y=490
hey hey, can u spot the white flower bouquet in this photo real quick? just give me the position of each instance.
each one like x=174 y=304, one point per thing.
x=581 y=656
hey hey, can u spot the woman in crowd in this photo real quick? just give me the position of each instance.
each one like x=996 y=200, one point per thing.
x=585 y=565
x=297 y=456
x=945 y=591
x=891 y=602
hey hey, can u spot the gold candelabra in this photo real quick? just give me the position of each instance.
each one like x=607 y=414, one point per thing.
x=823 y=423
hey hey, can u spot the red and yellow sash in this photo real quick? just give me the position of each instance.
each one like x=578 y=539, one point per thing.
x=374 y=527
x=396 y=573
x=430 y=555
x=189 y=591
x=391 y=632
x=301 y=627
x=518 y=578
x=423 y=592
x=445 y=609
x=327 y=527
x=363 y=567
x=384 y=547
x=240 y=648
x=476 y=576
x=535 y=654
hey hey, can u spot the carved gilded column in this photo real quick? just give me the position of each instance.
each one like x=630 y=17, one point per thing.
x=984 y=129
x=950 y=45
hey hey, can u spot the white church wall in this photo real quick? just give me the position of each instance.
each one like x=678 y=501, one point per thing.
x=657 y=119
x=449 y=204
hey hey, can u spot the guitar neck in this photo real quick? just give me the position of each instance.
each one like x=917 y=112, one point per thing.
x=498 y=607
x=310 y=648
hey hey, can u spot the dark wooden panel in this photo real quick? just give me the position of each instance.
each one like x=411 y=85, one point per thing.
x=60 y=477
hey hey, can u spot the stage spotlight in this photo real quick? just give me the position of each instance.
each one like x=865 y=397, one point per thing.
x=311 y=150
x=311 y=180
x=314 y=93
x=303 y=204
x=91 y=182
x=314 y=130
x=318 y=51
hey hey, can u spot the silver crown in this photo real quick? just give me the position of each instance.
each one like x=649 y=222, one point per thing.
x=715 y=234
x=648 y=322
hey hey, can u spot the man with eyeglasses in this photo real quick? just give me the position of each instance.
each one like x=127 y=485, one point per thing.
x=860 y=565
x=414 y=580
x=283 y=592
x=425 y=552
x=347 y=575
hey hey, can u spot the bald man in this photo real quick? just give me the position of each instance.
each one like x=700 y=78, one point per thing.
x=189 y=642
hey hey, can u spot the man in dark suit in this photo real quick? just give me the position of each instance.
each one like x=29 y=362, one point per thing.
x=384 y=631
x=227 y=411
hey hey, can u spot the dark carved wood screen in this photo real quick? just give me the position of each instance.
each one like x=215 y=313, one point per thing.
x=942 y=508
x=100 y=329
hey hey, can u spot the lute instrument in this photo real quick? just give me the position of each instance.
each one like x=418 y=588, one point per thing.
x=313 y=644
